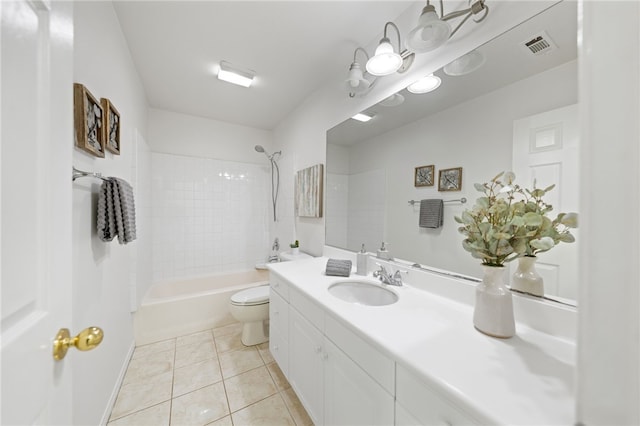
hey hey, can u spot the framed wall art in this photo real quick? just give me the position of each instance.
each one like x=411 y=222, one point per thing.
x=111 y=126
x=423 y=176
x=87 y=117
x=308 y=191
x=450 y=179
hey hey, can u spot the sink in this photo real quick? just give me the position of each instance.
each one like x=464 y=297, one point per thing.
x=363 y=293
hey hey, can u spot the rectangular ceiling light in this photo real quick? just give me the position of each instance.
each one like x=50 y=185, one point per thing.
x=235 y=75
x=362 y=117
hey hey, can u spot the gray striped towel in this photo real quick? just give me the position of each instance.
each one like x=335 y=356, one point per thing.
x=116 y=211
x=431 y=213
x=338 y=267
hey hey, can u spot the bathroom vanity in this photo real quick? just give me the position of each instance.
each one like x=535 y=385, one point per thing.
x=417 y=360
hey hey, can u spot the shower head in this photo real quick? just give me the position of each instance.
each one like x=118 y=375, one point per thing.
x=260 y=148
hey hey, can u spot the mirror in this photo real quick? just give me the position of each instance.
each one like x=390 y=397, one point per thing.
x=510 y=114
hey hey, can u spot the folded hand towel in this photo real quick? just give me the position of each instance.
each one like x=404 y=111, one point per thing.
x=116 y=211
x=431 y=213
x=338 y=267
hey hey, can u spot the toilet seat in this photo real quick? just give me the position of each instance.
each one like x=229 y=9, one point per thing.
x=251 y=296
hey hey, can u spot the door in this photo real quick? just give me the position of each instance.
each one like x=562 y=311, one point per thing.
x=35 y=183
x=545 y=149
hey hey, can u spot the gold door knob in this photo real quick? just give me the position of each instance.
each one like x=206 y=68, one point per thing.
x=86 y=340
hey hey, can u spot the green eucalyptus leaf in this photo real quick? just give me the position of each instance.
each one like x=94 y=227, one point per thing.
x=532 y=219
x=479 y=187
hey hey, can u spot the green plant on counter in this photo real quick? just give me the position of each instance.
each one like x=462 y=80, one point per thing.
x=295 y=244
x=501 y=228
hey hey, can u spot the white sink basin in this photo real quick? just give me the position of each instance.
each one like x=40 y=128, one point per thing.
x=363 y=293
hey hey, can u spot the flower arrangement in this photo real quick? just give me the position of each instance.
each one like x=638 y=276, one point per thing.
x=501 y=228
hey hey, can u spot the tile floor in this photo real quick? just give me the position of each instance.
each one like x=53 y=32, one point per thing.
x=206 y=378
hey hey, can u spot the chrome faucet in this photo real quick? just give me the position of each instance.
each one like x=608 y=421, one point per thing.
x=276 y=245
x=386 y=278
x=274 y=257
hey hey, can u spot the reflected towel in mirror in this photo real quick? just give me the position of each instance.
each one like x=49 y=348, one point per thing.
x=431 y=213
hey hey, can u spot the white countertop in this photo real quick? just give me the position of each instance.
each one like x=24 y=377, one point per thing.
x=528 y=379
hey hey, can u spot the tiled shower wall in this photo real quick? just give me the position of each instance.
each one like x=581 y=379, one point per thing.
x=208 y=216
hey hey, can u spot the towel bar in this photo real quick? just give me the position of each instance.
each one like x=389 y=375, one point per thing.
x=460 y=200
x=79 y=173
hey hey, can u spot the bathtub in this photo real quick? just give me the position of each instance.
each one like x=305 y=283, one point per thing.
x=177 y=308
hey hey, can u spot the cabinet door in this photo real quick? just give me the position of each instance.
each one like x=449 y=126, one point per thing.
x=351 y=396
x=305 y=364
x=279 y=331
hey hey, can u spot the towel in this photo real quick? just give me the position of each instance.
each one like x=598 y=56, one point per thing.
x=431 y=214
x=116 y=211
x=338 y=267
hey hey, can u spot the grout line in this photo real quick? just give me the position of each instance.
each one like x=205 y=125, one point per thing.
x=173 y=378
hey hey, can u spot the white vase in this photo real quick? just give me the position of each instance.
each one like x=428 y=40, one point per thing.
x=295 y=250
x=493 y=310
x=526 y=279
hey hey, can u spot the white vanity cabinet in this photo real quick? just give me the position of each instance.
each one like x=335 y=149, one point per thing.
x=339 y=378
x=418 y=404
x=279 y=322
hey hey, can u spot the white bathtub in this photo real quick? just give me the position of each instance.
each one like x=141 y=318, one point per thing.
x=177 y=308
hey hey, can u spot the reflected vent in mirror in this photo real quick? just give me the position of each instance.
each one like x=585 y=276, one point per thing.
x=539 y=44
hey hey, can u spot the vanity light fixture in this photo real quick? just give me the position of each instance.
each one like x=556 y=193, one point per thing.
x=392 y=101
x=363 y=117
x=356 y=83
x=425 y=84
x=386 y=60
x=235 y=75
x=433 y=31
x=465 y=64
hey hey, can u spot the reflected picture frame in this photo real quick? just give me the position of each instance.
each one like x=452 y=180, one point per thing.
x=88 y=121
x=423 y=176
x=308 y=191
x=450 y=179
x=111 y=126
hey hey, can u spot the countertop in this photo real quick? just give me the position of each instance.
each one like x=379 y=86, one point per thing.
x=527 y=379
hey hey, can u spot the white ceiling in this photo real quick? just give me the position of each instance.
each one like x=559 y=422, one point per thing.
x=294 y=47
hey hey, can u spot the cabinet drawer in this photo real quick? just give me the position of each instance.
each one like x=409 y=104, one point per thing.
x=422 y=403
x=380 y=367
x=279 y=285
x=310 y=310
x=279 y=348
x=278 y=315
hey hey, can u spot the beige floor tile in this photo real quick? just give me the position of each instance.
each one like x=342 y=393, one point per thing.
x=225 y=421
x=265 y=353
x=296 y=408
x=194 y=353
x=190 y=339
x=238 y=361
x=268 y=412
x=227 y=329
x=229 y=342
x=152 y=348
x=278 y=377
x=158 y=415
x=151 y=364
x=140 y=395
x=200 y=407
x=247 y=388
x=196 y=376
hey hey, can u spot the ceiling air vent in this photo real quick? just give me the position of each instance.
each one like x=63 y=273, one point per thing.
x=539 y=44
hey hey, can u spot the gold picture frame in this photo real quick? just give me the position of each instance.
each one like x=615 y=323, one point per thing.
x=450 y=179
x=423 y=176
x=88 y=121
x=111 y=126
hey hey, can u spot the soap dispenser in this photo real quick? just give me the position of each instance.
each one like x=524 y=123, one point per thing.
x=383 y=253
x=361 y=263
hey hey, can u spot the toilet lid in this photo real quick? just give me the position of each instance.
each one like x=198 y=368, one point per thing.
x=251 y=296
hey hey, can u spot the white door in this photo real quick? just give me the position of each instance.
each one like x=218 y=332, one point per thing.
x=35 y=262
x=545 y=149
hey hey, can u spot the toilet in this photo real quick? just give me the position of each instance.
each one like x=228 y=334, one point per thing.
x=251 y=308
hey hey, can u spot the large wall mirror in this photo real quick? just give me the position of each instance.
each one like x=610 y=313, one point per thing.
x=518 y=112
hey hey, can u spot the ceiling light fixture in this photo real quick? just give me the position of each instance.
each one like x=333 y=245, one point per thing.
x=392 y=101
x=465 y=64
x=386 y=60
x=232 y=74
x=362 y=117
x=425 y=85
x=433 y=31
x=356 y=82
